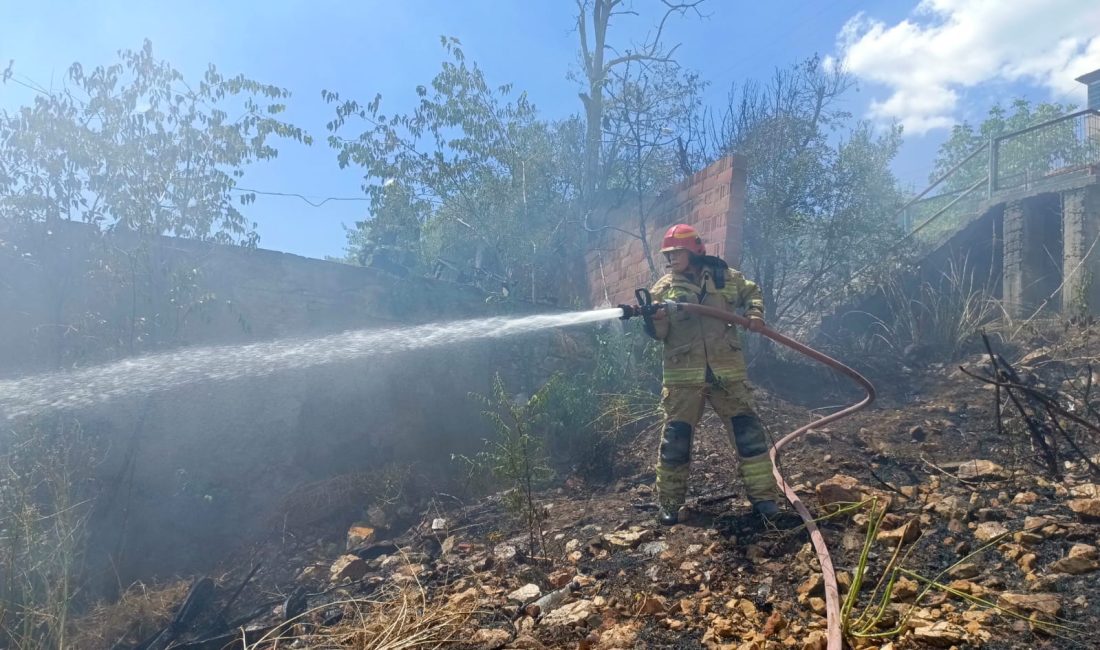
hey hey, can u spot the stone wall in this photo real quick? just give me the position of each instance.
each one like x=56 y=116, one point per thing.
x=712 y=200
x=1081 y=249
x=195 y=470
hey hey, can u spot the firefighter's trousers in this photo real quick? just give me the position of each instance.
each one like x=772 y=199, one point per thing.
x=683 y=407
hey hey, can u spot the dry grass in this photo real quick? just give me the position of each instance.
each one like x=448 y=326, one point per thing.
x=398 y=618
x=140 y=612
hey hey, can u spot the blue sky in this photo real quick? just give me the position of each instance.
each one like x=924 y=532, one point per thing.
x=925 y=65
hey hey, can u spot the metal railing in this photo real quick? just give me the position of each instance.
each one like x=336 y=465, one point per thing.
x=1026 y=159
x=1046 y=152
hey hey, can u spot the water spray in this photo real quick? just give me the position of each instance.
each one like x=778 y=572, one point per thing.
x=646 y=308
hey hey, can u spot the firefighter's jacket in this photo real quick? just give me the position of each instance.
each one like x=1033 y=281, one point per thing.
x=692 y=343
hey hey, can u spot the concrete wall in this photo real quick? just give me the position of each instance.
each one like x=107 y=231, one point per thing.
x=1032 y=255
x=190 y=472
x=712 y=200
x=1081 y=249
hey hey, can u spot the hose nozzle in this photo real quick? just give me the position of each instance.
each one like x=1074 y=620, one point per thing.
x=645 y=307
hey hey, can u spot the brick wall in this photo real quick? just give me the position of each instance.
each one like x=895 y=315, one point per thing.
x=712 y=200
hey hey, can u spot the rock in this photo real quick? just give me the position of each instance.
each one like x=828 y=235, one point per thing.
x=812 y=586
x=722 y=627
x=1047 y=604
x=629 y=538
x=348 y=567
x=1086 y=509
x=774 y=624
x=525 y=593
x=439 y=524
x=568 y=615
x=359 y=535
x=917 y=433
x=905 y=589
x=623 y=635
x=817 y=605
x=964 y=570
x=978 y=470
x=990 y=530
x=465 y=599
x=907 y=533
x=1025 y=499
x=653 y=549
x=816 y=640
x=652 y=605
x=838 y=490
x=487 y=639
x=1082 y=558
x=504 y=552
x=952 y=507
x=1085 y=491
x=560 y=578
x=1034 y=357
x=940 y=634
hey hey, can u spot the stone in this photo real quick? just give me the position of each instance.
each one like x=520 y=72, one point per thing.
x=623 y=635
x=653 y=549
x=504 y=552
x=359 y=535
x=652 y=605
x=940 y=634
x=816 y=640
x=979 y=470
x=1085 y=491
x=964 y=570
x=439 y=524
x=953 y=507
x=1082 y=558
x=1025 y=499
x=487 y=639
x=464 y=599
x=1086 y=509
x=569 y=615
x=1044 y=603
x=722 y=628
x=989 y=530
x=525 y=593
x=839 y=489
x=905 y=589
x=907 y=533
x=812 y=586
x=560 y=578
x=775 y=623
x=629 y=538
x=817 y=605
x=348 y=567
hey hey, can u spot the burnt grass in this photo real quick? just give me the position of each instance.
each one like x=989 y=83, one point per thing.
x=907 y=447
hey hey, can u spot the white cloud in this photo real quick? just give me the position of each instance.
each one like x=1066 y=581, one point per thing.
x=946 y=46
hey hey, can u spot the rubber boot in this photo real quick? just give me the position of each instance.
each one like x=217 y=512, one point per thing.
x=668 y=516
x=767 y=509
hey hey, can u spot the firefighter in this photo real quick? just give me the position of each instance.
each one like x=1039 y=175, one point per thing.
x=703 y=362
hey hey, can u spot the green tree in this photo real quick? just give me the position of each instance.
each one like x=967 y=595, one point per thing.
x=1030 y=153
x=481 y=185
x=134 y=146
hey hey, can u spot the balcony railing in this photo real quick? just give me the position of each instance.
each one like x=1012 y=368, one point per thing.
x=1046 y=152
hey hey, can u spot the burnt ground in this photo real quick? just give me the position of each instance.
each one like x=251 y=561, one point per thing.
x=997 y=554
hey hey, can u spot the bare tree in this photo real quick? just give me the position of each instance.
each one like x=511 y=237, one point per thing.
x=600 y=60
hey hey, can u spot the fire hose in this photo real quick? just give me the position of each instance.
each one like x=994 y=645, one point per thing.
x=646 y=308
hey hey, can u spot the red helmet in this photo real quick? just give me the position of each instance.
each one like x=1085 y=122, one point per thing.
x=683 y=237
